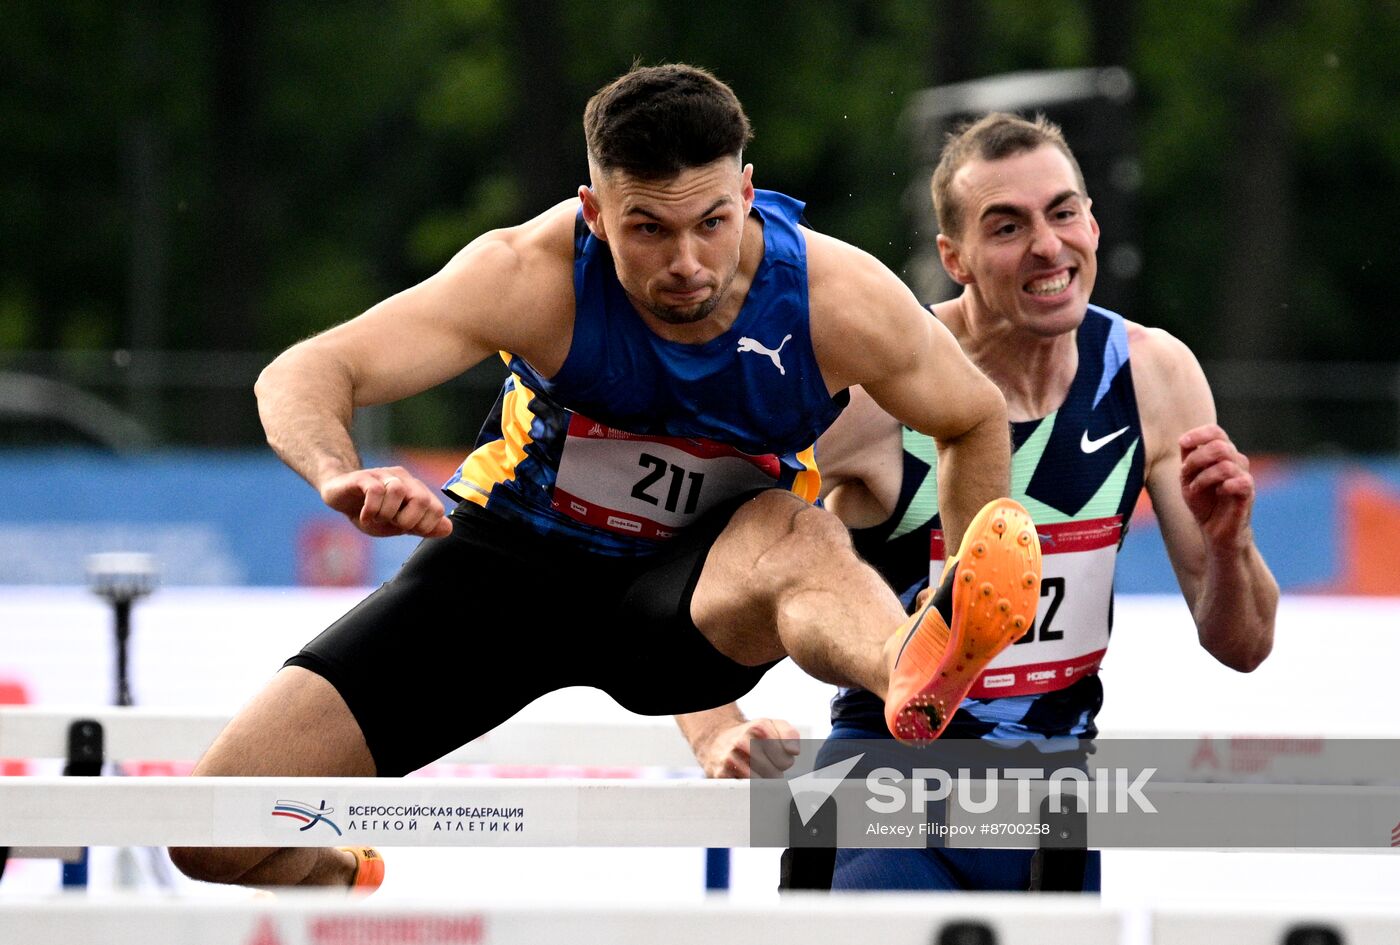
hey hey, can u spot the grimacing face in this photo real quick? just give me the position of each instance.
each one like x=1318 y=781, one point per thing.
x=1027 y=251
x=675 y=241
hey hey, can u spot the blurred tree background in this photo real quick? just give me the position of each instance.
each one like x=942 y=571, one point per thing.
x=187 y=188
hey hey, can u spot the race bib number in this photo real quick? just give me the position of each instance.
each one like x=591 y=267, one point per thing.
x=1070 y=633
x=650 y=486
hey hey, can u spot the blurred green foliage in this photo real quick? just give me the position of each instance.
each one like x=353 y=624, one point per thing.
x=235 y=176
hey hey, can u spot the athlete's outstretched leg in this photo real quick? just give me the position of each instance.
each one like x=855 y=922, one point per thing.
x=298 y=726
x=783 y=577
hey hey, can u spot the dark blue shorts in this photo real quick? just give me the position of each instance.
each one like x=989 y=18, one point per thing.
x=937 y=868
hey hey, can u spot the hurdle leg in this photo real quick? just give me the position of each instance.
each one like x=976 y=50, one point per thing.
x=85 y=758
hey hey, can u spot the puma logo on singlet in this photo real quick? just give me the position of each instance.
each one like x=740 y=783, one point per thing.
x=1093 y=446
x=749 y=344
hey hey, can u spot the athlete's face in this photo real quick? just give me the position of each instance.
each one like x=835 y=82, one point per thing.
x=1028 y=242
x=675 y=241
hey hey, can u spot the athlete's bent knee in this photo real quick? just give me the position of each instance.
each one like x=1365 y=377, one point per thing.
x=818 y=532
x=812 y=540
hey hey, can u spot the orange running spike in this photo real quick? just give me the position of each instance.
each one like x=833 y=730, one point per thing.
x=987 y=598
x=369 y=870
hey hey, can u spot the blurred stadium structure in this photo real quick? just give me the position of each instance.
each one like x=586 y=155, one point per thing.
x=169 y=438
x=1270 y=406
x=132 y=401
x=139 y=397
x=135 y=400
x=1093 y=107
x=128 y=401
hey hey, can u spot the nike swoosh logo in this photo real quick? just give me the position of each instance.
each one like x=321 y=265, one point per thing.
x=1093 y=446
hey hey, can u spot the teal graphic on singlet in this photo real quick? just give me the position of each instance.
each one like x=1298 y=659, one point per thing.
x=1025 y=462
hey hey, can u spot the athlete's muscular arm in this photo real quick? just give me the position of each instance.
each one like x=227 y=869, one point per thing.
x=861 y=461
x=868 y=329
x=723 y=739
x=1203 y=493
x=499 y=293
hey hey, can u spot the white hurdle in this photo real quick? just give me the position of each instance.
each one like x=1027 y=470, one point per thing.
x=605 y=812
x=149 y=734
x=819 y=920
x=138 y=733
x=554 y=812
x=1273 y=925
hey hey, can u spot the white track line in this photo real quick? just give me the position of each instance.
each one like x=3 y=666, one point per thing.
x=820 y=920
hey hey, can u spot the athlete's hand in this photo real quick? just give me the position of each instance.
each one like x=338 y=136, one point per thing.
x=1217 y=486
x=386 y=501
x=736 y=751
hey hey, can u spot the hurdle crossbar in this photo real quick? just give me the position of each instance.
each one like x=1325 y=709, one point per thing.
x=66 y=854
x=1196 y=815
x=1358 y=924
x=573 y=812
x=809 y=920
x=147 y=734
x=559 y=812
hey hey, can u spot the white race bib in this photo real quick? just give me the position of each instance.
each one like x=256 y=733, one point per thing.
x=650 y=486
x=1070 y=633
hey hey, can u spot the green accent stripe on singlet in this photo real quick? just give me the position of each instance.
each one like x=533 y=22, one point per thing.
x=924 y=505
x=1105 y=501
x=1110 y=495
x=1026 y=459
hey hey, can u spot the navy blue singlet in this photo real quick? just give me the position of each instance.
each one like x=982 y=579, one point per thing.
x=1079 y=472
x=636 y=436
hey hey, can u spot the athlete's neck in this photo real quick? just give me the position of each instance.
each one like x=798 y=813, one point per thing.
x=1033 y=371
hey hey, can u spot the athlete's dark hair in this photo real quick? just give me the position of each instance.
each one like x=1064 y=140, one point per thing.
x=657 y=121
x=990 y=138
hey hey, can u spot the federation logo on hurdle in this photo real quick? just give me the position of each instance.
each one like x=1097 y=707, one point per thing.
x=308 y=815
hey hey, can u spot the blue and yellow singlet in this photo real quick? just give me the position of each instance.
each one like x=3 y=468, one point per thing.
x=636 y=436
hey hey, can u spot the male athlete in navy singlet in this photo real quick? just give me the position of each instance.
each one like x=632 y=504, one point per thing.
x=1100 y=407
x=637 y=514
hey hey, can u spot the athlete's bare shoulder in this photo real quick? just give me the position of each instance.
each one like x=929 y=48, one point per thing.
x=1158 y=357
x=550 y=234
x=863 y=316
x=1170 y=388
x=522 y=276
x=836 y=269
x=540 y=246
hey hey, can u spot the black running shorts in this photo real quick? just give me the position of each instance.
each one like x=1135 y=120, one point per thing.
x=477 y=625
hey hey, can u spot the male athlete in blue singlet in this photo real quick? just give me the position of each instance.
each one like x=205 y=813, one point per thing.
x=637 y=513
x=1099 y=406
